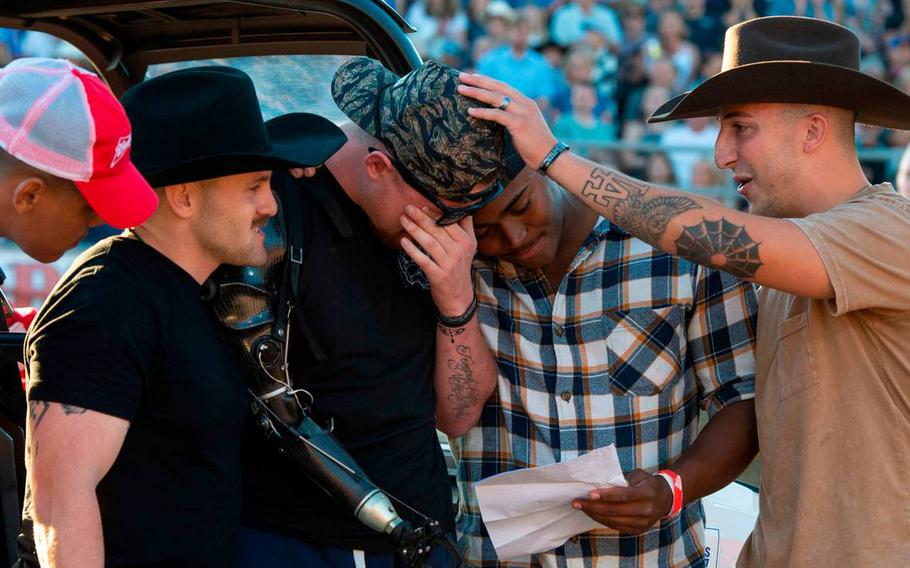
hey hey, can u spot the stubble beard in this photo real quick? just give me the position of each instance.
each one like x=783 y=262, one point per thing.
x=233 y=243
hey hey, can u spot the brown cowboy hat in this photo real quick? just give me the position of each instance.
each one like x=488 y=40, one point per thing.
x=788 y=59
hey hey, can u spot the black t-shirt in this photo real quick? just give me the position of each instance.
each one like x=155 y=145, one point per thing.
x=125 y=333
x=375 y=380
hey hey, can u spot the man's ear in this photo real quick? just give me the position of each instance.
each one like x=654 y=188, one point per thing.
x=27 y=193
x=818 y=129
x=378 y=164
x=182 y=199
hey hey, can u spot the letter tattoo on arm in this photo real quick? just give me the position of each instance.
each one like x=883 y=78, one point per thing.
x=464 y=385
x=629 y=207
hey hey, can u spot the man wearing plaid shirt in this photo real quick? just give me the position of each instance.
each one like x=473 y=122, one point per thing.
x=601 y=339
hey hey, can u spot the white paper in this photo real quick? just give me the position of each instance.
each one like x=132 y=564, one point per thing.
x=530 y=510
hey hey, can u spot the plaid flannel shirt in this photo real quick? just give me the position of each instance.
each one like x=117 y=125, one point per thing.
x=633 y=342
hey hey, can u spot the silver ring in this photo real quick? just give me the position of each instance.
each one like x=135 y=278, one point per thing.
x=506 y=99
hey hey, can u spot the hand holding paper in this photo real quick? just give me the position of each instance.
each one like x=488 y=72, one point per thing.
x=530 y=510
x=633 y=509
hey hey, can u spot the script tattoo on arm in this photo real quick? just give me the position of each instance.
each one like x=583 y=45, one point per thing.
x=627 y=204
x=464 y=387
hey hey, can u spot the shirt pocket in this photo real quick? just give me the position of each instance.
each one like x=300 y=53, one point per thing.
x=793 y=367
x=643 y=349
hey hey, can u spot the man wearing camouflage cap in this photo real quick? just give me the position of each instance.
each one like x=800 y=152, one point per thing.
x=385 y=258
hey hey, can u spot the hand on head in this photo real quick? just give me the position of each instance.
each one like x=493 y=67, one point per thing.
x=521 y=115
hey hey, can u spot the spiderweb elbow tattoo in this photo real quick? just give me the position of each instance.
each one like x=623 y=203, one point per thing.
x=720 y=244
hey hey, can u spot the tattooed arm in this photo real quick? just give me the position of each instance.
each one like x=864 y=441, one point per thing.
x=464 y=374
x=765 y=250
x=69 y=450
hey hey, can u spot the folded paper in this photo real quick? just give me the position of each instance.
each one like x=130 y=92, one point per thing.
x=530 y=510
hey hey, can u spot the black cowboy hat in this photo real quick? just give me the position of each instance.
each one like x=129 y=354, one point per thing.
x=788 y=59
x=205 y=122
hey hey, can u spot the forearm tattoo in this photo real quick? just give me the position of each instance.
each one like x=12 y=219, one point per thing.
x=450 y=332
x=720 y=244
x=464 y=387
x=627 y=205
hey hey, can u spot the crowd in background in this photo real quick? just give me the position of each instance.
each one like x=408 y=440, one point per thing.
x=599 y=68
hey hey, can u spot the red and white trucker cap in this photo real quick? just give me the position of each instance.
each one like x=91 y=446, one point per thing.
x=65 y=121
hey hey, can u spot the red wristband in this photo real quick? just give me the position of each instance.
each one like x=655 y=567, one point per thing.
x=675 y=482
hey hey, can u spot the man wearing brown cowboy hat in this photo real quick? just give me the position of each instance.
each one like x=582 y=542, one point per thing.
x=386 y=337
x=135 y=404
x=829 y=250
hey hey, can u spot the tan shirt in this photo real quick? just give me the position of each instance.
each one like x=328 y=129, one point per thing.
x=833 y=398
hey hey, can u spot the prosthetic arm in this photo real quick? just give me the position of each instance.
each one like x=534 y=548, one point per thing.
x=255 y=307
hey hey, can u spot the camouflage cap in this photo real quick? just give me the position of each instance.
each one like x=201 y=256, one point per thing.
x=423 y=122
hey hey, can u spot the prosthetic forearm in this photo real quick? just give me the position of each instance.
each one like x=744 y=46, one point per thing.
x=247 y=301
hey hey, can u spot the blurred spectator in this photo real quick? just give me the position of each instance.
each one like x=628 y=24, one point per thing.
x=687 y=142
x=705 y=176
x=576 y=20
x=706 y=30
x=538 y=32
x=631 y=77
x=659 y=170
x=497 y=19
x=579 y=68
x=582 y=123
x=821 y=9
x=655 y=10
x=442 y=27
x=872 y=138
x=633 y=162
x=740 y=11
x=897 y=52
x=711 y=66
x=653 y=97
x=661 y=73
x=902 y=183
x=635 y=32
x=517 y=64
x=554 y=53
x=671 y=34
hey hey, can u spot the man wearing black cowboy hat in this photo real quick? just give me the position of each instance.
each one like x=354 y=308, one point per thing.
x=385 y=260
x=829 y=250
x=136 y=405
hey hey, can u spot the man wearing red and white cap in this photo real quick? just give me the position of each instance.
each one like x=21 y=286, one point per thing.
x=64 y=158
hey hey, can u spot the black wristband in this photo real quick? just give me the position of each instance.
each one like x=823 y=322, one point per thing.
x=558 y=149
x=458 y=321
